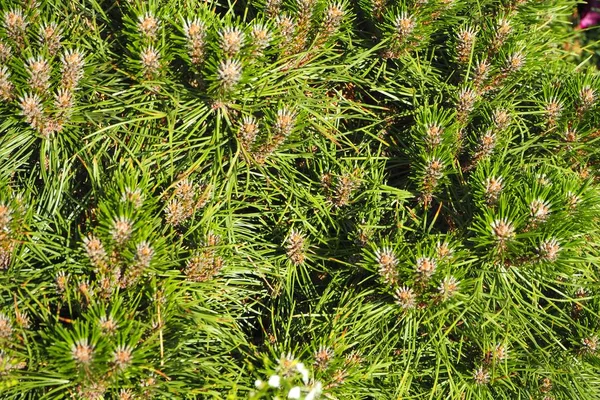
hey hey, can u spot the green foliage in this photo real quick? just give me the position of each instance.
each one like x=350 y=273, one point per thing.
x=372 y=199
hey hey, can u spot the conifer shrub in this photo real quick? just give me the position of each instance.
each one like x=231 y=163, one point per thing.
x=298 y=199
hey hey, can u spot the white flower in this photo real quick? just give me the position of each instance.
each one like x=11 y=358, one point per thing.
x=302 y=370
x=315 y=391
x=294 y=393
x=259 y=384
x=274 y=381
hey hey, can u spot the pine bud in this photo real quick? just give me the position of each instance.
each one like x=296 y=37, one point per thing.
x=50 y=36
x=150 y=59
x=333 y=19
x=284 y=124
x=143 y=256
x=503 y=30
x=570 y=135
x=176 y=212
x=5 y=52
x=148 y=26
x=94 y=390
x=448 y=288
x=295 y=243
x=587 y=98
x=552 y=111
x=425 y=267
x=51 y=126
x=62 y=280
x=501 y=119
x=185 y=191
x=122 y=356
x=377 y=8
x=345 y=187
x=466 y=101
x=539 y=210
x=121 y=230
x=72 y=69
x=387 y=261
x=5 y=217
x=443 y=251
x=486 y=145
x=203 y=266
x=22 y=319
x=572 y=200
x=248 y=131
x=107 y=325
x=6 y=86
x=15 y=25
x=500 y=353
x=229 y=73
x=144 y=253
x=231 y=40
x=546 y=385
x=32 y=110
x=543 y=180
x=354 y=358
x=82 y=352
x=514 y=62
x=305 y=9
x=404 y=25
x=133 y=196
x=323 y=356
x=85 y=289
x=481 y=72
x=433 y=173
x=433 y=135
x=493 y=188
x=481 y=376
x=95 y=251
x=39 y=74
x=466 y=39
x=63 y=102
x=6 y=249
x=126 y=394
x=195 y=33
x=272 y=7
x=549 y=249
x=6 y=328
x=287 y=28
x=503 y=230
x=196 y=268
x=405 y=297
x=590 y=345
x=261 y=37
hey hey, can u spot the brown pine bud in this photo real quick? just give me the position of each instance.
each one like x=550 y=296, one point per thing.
x=6 y=86
x=229 y=73
x=15 y=24
x=72 y=69
x=493 y=187
x=387 y=262
x=466 y=39
x=231 y=40
x=295 y=244
x=148 y=25
x=195 y=33
x=50 y=36
x=150 y=59
x=405 y=297
x=39 y=74
x=425 y=267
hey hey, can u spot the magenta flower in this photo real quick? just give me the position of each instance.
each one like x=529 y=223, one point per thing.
x=590 y=14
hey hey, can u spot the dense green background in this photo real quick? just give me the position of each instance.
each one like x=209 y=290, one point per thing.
x=401 y=195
